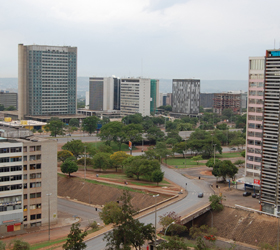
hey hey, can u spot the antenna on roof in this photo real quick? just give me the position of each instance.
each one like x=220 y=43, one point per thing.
x=274 y=43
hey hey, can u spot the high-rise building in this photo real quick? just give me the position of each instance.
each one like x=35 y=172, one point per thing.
x=47 y=80
x=165 y=99
x=207 y=100
x=186 y=96
x=227 y=100
x=254 y=135
x=262 y=158
x=28 y=180
x=139 y=95
x=104 y=93
x=9 y=99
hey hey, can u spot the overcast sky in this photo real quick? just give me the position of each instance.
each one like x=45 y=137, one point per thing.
x=205 y=39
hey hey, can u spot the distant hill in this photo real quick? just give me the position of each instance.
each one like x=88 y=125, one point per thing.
x=165 y=85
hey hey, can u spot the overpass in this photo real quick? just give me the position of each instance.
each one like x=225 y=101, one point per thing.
x=196 y=213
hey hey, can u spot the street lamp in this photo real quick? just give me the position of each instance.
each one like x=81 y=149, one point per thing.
x=85 y=163
x=173 y=222
x=214 y=152
x=49 y=216
x=155 y=196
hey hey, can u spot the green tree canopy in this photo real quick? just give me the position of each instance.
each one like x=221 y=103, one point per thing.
x=139 y=166
x=68 y=167
x=56 y=127
x=11 y=108
x=180 y=148
x=216 y=202
x=63 y=155
x=19 y=245
x=118 y=158
x=76 y=147
x=112 y=131
x=74 y=122
x=90 y=124
x=110 y=212
x=2 y=107
x=101 y=161
x=157 y=176
x=154 y=134
x=133 y=132
x=127 y=231
x=225 y=168
x=75 y=239
x=202 y=142
x=174 y=229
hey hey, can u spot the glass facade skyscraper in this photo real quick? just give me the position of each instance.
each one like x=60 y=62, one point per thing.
x=47 y=80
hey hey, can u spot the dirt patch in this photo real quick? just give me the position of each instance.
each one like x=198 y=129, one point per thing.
x=76 y=188
x=206 y=173
x=243 y=226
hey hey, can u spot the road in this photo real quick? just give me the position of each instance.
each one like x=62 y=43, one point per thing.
x=182 y=207
x=85 y=212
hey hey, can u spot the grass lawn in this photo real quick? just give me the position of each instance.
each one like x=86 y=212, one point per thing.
x=114 y=146
x=181 y=162
x=47 y=244
x=229 y=155
x=124 y=177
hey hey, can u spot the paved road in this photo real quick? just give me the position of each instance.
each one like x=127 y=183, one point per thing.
x=182 y=207
x=85 y=212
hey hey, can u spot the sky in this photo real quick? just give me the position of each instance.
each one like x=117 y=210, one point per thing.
x=204 y=39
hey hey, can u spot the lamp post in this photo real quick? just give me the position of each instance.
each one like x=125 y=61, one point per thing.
x=173 y=222
x=155 y=196
x=85 y=163
x=214 y=152
x=49 y=215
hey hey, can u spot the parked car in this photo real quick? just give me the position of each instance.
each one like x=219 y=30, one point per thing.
x=254 y=195
x=233 y=149
x=246 y=193
x=258 y=196
x=200 y=195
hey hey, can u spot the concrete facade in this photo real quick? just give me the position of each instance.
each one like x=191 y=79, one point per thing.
x=28 y=172
x=47 y=80
x=254 y=118
x=9 y=99
x=104 y=93
x=186 y=96
x=136 y=96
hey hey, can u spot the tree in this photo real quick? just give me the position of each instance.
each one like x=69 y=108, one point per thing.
x=40 y=131
x=90 y=124
x=162 y=150
x=180 y=148
x=243 y=153
x=222 y=126
x=76 y=147
x=210 y=162
x=173 y=243
x=238 y=162
x=2 y=107
x=63 y=155
x=56 y=127
x=170 y=126
x=197 y=158
x=105 y=149
x=228 y=113
x=157 y=176
x=69 y=167
x=11 y=108
x=75 y=238
x=154 y=134
x=135 y=119
x=128 y=232
x=138 y=166
x=225 y=168
x=118 y=158
x=112 y=131
x=216 y=204
x=19 y=245
x=202 y=142
x=2 y=245
x=110 y=212
x=175 y=135
x=174 y=229
x=101 y=161
x=133 y=132
x=74 y=122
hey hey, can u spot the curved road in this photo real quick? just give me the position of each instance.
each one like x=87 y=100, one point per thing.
x=182 y=207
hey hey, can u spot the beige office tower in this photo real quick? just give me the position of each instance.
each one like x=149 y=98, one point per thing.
x=47 y=80
x=28 y=181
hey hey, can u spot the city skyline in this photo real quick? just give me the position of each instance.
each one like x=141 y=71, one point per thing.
x=154 y=39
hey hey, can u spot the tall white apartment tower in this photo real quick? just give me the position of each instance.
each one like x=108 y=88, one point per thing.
x=254 y=120
x=139 y=95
